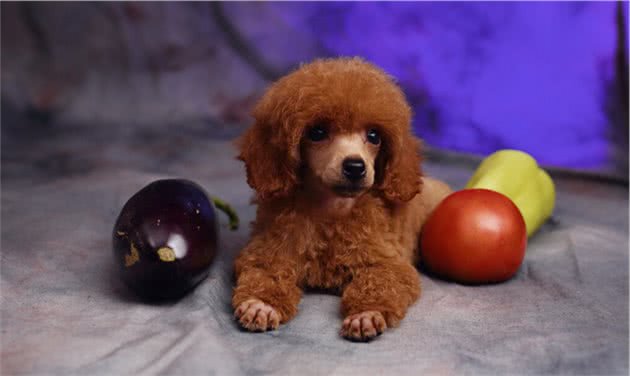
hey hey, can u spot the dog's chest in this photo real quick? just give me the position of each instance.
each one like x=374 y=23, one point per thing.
x=331 y=256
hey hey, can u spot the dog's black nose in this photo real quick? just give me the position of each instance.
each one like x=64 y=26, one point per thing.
x=353 y=169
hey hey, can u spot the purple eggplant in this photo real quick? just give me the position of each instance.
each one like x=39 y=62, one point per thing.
x=165 y=238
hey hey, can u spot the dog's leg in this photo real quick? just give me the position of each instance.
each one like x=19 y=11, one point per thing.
x=433 y=192
x=266 y=293
x=377 y=298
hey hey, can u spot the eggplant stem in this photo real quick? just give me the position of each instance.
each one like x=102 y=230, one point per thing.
x=227 y=210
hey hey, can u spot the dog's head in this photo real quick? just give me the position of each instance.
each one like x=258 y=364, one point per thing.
x=342 y=124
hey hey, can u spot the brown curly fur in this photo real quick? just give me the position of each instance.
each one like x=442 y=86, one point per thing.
x=367 y=255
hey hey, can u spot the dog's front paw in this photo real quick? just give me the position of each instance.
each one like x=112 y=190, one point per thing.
x=256 y=316
x=363 y=326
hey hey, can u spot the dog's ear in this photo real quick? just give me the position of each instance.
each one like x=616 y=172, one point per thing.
x=271 y=161
x=400 y=175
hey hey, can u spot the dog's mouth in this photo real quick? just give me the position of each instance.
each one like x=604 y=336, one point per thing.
x=348 y=190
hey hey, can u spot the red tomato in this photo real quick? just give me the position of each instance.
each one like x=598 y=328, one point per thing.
x=474 y=236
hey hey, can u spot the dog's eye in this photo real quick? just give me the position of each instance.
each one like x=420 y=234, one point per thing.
x=317 y=133
x=373 y=136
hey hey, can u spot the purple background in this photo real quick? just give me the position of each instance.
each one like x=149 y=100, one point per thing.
x=481 y=76
x=544 y=77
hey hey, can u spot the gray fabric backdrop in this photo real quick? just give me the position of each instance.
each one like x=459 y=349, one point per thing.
x=64 y=311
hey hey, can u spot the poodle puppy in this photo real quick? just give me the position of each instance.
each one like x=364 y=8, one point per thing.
x=341 y=199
